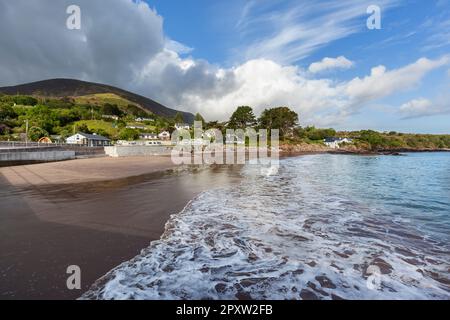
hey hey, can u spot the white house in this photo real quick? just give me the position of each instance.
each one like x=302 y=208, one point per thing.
x=336 y=142
x=107 y=116
x=148 y=136
x=153 y=143
x=143 y=119
x=90 y=140
x=136 y=127
x=165 y=135
x=182 y=126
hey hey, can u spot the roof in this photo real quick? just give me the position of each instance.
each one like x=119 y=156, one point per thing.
x=333 y=139
x=93 y=136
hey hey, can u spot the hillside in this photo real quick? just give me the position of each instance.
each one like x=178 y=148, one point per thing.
x=75 y=88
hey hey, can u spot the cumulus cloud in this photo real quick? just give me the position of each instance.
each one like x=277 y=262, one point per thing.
x=124 y=45
x=421 y=107
x=262 y=83
x=330 y=63
x=115 y=40
x=381 y=83
x=416 y=108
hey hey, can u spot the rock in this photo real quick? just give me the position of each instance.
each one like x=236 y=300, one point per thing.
x=336 y=297
x=221 y=287
x=312 y=264
x=325 y=282
x=308 y=295
x=318 y=290
x=385 y=268
x=243 y=296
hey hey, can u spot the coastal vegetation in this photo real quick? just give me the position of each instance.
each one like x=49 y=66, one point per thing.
x=117 y=118
x=104 y=114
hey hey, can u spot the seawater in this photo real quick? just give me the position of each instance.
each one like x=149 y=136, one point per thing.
x=322 y=227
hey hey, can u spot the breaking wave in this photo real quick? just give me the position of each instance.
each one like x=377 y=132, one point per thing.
x=322 y=227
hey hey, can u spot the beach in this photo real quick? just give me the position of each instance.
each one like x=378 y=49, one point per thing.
x=84 y=170
x=94 y=213
x=142 y=228
x=323 y=226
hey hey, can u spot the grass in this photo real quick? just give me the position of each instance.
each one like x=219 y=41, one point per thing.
x=102 y=98
x=94 y=125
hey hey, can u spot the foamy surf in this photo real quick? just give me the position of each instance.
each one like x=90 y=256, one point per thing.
x=297 y=234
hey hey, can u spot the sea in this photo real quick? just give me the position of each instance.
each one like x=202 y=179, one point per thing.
x=315 y=227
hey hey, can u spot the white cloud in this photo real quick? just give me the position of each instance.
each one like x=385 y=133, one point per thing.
x=291 y=31
x=177 y=47
x=416 y=107
x=126 y=46
x=263 y=83
x=421 y=107
x=113 y=44
x=330 y=63
x=381 y=83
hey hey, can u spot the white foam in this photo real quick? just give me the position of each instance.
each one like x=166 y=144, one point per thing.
x=276 y=235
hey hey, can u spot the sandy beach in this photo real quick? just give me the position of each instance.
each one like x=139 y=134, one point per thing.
x=94 y=213
x=84 y=170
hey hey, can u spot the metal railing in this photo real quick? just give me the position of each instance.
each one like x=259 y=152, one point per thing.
x=22 y=144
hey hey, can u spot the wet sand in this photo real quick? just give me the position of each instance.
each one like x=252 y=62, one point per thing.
x=49 y=220
x=84 y=170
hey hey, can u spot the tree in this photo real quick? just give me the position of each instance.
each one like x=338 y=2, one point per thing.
x=215 y=125
x=281 y=118
x=319 y=134
x=43 y=117
x=375 y=139
x=83 y=128
x=35 y=133
x=102 y=132
x=4 y=129
x=111 y=109
x=6 y=111
x=198 y=117
x=178 y=118
x=128 y=134
x=242 y=118
x=136 y=111
x=25 y=100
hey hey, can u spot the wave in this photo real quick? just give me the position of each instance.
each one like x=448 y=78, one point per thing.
x=288 y=235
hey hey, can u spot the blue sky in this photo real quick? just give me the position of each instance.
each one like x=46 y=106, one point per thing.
x=410 y=30
x=210 y=56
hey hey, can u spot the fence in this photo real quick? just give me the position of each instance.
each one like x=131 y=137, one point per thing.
x=21 y=144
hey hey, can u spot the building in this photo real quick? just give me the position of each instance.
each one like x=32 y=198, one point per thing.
x=182 y=126
x=336 y=142
x=107 y=116
x=136 y=127
x=153 y=143
x=148 y=136
x=165 y=135
x=143 y=119
x=90 y=140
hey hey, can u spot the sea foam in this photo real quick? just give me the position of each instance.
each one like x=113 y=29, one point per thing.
x=297 y=234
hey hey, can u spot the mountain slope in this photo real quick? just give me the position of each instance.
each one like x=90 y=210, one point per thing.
x=76 y=88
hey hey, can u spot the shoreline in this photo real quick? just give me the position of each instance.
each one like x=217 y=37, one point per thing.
x=49 y=223
x=84 y=170
x=294 y=150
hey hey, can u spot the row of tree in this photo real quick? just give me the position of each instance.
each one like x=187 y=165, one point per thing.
x=243 y=117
